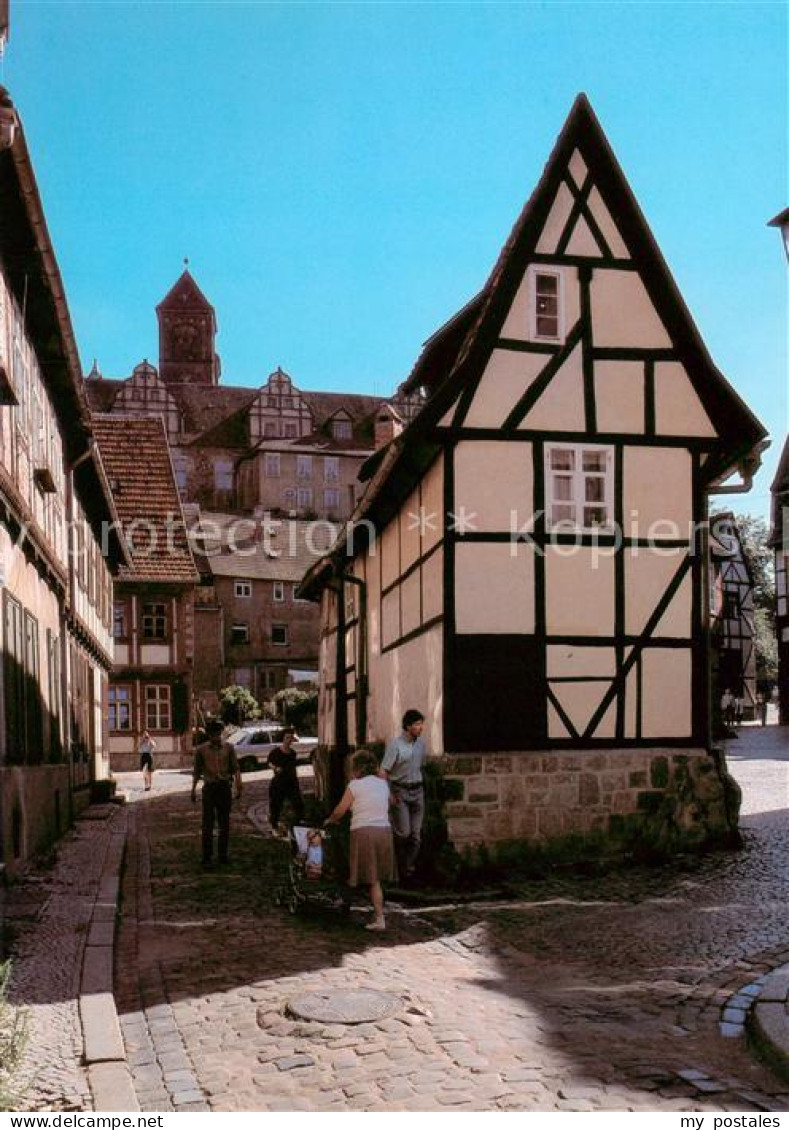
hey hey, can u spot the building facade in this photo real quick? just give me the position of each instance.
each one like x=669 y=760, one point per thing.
x=275 y=451
x=529 y=562
x=258 y=633
x=153 y=608
x=57 y=548
x=732 y=612
x=779 y=540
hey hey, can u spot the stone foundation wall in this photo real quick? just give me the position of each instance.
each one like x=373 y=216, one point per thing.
x=665 y=797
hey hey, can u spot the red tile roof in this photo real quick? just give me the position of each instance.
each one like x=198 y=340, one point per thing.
x=136 y=459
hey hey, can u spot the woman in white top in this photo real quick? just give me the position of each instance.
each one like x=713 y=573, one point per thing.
x=372 y=846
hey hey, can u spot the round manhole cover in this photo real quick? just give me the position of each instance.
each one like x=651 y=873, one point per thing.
x=348 y=1006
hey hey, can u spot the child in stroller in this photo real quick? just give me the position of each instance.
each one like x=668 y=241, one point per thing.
x=313 y=873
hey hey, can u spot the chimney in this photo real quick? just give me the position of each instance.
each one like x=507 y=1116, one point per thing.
x=388 y=425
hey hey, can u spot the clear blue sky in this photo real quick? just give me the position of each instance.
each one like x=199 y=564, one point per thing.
x=342 y=176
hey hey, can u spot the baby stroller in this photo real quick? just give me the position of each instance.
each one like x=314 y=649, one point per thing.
x=314 y=872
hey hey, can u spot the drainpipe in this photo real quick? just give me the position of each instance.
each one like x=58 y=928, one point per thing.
x=340 y=751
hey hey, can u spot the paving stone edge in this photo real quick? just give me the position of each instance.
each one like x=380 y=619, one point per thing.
x=109 y=1074
x=768 y=1021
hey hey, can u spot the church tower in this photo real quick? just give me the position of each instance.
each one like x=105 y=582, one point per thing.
x=187 y=328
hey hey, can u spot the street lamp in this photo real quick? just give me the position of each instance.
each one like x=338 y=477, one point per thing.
x=781 y=221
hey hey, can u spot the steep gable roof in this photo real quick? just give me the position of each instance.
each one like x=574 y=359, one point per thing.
x=134 y=453
x=735 y=423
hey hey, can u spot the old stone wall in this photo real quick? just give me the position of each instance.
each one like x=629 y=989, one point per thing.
x=661 y=797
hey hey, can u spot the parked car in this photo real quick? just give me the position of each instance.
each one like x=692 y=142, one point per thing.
x=254 y=741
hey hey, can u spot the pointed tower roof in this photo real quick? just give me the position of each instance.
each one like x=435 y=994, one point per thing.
x=185 y=294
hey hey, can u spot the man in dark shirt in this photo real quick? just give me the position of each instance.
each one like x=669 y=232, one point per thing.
x=285 y=783
x=215 y=762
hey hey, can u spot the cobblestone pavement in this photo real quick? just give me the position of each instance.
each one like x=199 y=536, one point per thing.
x=46 y=921
x=574 y=994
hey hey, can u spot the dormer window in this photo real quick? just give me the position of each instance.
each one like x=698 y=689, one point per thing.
x=546 y=305
x=342 y=429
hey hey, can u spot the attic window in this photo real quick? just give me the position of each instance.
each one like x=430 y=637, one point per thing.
x=342 y=429
x=115 y=486
x=546 y=306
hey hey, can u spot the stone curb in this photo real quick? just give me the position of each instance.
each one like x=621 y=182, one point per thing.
x=768 y=1020
x=104 y=1052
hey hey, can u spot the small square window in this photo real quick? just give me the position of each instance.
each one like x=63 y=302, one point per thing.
x=279 y=634
x=279 y=592
x=154 y=621
x=243 y=589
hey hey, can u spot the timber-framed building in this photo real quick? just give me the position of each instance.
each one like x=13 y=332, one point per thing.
x=529 y=561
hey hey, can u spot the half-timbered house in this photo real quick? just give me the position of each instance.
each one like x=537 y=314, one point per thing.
x=528 y=565
x=153 y=608
x=779 y=540
x=57 y=547
x=732 y=612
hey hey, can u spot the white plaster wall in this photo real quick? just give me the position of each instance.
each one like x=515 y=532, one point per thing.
x=561 y=406
x=492 y=479
x=622 y=312
x=579 y=592
x=658 y=487
x=678 y=410
x=647 y=576
x=619 y=396
x=409 y=676
x=667 y=685
x=507 y=377
x=494 y=588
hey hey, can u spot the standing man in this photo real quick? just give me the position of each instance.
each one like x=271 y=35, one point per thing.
x=215 y=762
x=402 y=767
x=285 y=783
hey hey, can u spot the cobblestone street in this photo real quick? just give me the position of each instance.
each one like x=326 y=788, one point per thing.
x=574 y=994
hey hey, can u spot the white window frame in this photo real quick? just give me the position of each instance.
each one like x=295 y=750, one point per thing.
x=279 y=592
x=243 y=590
x=158 y=707
x=578 y=500
x=272 y=465
x=531 y=285
x=119 y=708
x=280 y=643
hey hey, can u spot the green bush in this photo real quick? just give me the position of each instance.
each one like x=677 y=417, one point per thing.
x=298 y=709
x=237 y=705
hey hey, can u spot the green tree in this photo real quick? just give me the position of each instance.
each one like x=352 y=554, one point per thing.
x=298 y=708
x=237 y=705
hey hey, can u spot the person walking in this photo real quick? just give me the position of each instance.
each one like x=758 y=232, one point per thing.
x=372 y=847
x=146 y=750
x=285 y=783
x=402 y=767
x=215 y=762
